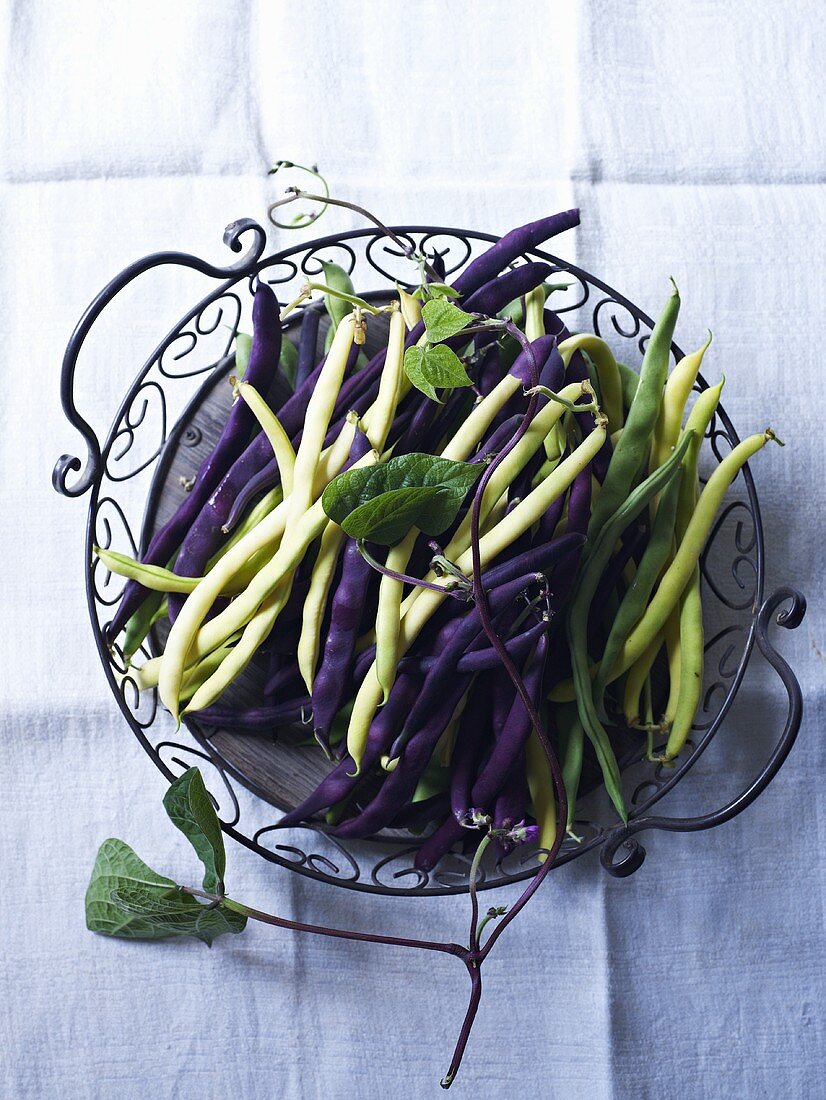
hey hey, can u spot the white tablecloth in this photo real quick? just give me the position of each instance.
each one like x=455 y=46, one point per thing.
x=691 y=136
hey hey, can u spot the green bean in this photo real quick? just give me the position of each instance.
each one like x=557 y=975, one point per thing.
x=691 y=667
x=679 y=573
x=636 y=597
x=686 y=687
x=576 y=621
x=632 y=447
x=648 y=716
x=288 y=360
x=141 y=623
x=629 y=381
x=571 y=747
x=607 y=371
x=153 y=577
x=698 y=420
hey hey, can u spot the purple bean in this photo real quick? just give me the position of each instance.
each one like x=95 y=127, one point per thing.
x=265 y=719
x=398 y=786
x=474 y=733
x=439 y=680
x=418 y=814
x=333 y=677
x=307 y=343
x=439 y=843
x=263 y=363
x=514 y=735
x=512 y=800
x=496 y=294
x=538 y=559
x=490 y=371
x=497 y=439
x=437 y=262
x=510 y=247
x=286 y=677
x=511 y=804
x=480 y=660
x=543 y=349
x=341 y=781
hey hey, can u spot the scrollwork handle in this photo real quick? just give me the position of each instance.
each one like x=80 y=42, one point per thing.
x=623 y=863
x=89 y=473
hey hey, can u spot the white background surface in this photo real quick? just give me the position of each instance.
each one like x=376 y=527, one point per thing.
x=691 y=136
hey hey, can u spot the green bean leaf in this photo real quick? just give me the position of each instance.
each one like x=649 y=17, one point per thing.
x=190 y=808
x=381 y=503
x=126 y=898
x=429 y=368
x=443 y=319
x=442 y=290
x=243 y=346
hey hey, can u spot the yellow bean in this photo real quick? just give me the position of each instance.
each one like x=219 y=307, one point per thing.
x=316 y=601
x=182 y=635
x=317 y=418
x=679 y=573
x=540 y=786
x=675 y=395
x=610 y=384
x=255 y=633
x=271 y=426
x=379 y=418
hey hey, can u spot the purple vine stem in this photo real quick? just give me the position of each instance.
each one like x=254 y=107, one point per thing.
x=323 y=930
x=478 y=955
x=458 y=592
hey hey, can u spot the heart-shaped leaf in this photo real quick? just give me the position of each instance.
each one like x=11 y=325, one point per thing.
x=443 y=319
x=190 y=808
x=381 y=503
x=432 y=367
x=174 y=913
x=126 y=898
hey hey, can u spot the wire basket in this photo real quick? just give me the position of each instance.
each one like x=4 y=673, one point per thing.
x=135 y=480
